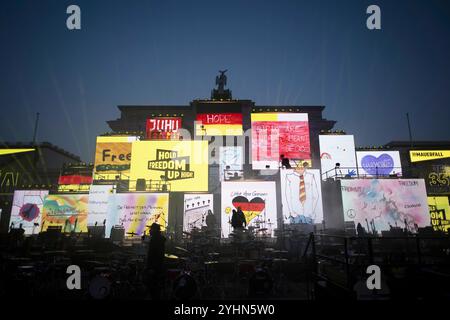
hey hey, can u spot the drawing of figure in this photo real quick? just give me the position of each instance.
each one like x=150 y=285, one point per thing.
x=302 y=195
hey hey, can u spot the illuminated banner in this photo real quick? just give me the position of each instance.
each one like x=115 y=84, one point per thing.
x=113 y=157
x=13 y=151
x=256 y=199
x=99 y=196
x=378 y=163
x=196 y=207
x=163 y=128
x=231 y=163
x=182 y=164
x=66 y=211
x=219 y=124
x=381 y=203
x=439 y=213
x=276 y=134
x=301 y=195
x=27 y=209
x=425 y=155
x=337 y=149
x=74 y=179
x=137 y=211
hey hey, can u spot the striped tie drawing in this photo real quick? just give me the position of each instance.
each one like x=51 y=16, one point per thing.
x=302 y=190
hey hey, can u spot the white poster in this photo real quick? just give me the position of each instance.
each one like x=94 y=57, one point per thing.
x=257 y=199
x=337 y=149
x=27 y=210
x=98 y=204
x=378 y=163
x=196 y=207
x=230 y=166
x=301 y=195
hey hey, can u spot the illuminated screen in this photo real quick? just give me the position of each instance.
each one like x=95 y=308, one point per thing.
x=182 y=164
x=27 y=209
x=231 y=163
x=337 y=149
x=379 y=163
x=219 y=124
x=68 y=211
x=275 y=134
x=425 y=155
x=437 y=178
x=113 y=157
x=301 y=195
x=163 y=128
x=74 y=179
x=385 y=202
x=196 y=208
x=256 y=199
x=99 y=196
x=439 y=213
x=137 y=211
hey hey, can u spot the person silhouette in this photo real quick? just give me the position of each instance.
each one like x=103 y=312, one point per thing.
x=155 y=261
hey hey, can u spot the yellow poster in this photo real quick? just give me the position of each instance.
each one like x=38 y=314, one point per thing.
x=424 y=155
x=177 y=165
x=113 y=158
x=439 y=213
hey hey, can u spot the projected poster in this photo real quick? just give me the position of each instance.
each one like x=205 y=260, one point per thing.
x=256 y=199
x=196 y=208
x=181 y=165
x=27 y=209
x=68 y=211
x=301 y=195
x=219 y=124
x=337 y=149
x=379 y=204
x=230 y=163
x=275 y=134
x=113 y=157
x=439 y=213
x=378 y=163
x=99 y=196
x=137 y=211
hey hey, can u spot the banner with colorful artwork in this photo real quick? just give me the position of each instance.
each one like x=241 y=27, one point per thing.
x=257 y=199
x=301 y=195
x=196 y=207
x=69 y=211
x=276 y=134
x=27 y=210
x=136 y=212
x=439 y=213
x=378 y=204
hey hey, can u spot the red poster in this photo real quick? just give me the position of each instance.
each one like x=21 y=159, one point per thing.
x=74 y=179
x=271 y=139
x=163 y=128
